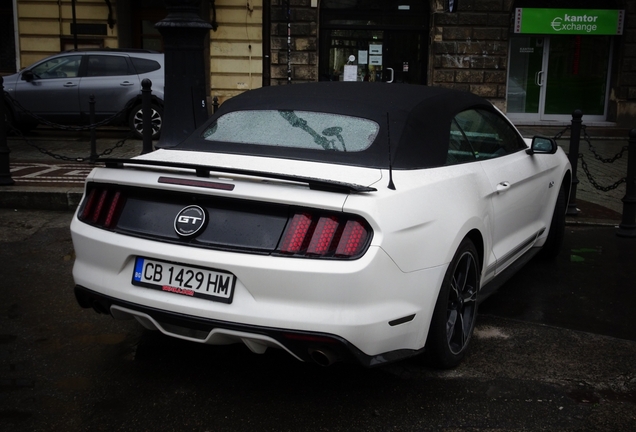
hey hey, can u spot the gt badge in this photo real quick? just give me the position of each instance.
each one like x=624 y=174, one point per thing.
x=189 y=221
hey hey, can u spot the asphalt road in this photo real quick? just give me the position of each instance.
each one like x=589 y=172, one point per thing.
x=554 y=349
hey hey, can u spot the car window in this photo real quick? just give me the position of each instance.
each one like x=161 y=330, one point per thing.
x=459 y=149
x=58 y=67
x=99 y=65
x=299 y=129
x=143 y=66
x=489 y=135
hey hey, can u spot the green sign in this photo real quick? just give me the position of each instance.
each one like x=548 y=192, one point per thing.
x=569 y=21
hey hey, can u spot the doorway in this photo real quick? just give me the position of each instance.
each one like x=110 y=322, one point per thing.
x=551 y=76
x=368 y=40
x=378 y=55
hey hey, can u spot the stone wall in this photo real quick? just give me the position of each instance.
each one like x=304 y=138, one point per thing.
x=303 y=50
x=470 y=47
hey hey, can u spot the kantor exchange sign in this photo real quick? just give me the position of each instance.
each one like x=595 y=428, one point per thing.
x=569 y=21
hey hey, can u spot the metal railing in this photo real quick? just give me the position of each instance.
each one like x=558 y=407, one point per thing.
x=5 y=127
x=627 y=228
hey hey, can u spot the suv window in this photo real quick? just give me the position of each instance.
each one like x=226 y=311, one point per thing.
x=143 y=66
x=107 y=66
x=488 y=134
x=58 y=67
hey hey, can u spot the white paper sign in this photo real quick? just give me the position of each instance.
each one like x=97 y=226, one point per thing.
x=350 y=73
x=363 y=57
x=375 y=60
x=375 y=48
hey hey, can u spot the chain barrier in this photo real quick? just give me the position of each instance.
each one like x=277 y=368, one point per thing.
x=67 y=127
x=42 y=150
x=598 y=157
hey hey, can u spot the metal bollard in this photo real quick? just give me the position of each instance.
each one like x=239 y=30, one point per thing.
x=91 y=120
x=215 y=104
x=5 y=166
x=146 y=107
x=627 y=227
x=573 y=156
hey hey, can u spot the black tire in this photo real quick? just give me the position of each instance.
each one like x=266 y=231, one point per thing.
x=554 y=242
x=455 y=310
x=135 y=121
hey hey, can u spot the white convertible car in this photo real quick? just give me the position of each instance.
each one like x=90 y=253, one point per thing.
x=337 y=221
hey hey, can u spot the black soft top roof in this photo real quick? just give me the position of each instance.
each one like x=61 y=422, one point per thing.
x=419 y=120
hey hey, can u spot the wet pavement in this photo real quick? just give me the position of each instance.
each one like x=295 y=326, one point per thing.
x=554 y=349
x=589 y=287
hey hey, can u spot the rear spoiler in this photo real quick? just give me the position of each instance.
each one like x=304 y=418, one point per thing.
x=205 y=170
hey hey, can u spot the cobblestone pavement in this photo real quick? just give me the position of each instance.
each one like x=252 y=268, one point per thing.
x=53 y=158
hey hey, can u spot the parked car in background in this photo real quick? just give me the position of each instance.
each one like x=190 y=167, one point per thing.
x=335 y=220
x=57 y=89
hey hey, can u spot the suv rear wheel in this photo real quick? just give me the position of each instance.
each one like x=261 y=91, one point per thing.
x=135 y=121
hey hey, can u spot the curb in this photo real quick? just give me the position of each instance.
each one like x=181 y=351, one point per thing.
x=40 y=198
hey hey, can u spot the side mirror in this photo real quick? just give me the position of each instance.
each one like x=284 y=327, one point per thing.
x=27 y=76
x=542 y=145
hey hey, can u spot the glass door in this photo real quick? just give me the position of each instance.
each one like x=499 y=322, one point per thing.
x=577 y=77
x=550 y=77
x=403 y=61
x=525 y=77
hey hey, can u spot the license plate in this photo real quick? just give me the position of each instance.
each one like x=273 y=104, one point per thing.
x=215 y=285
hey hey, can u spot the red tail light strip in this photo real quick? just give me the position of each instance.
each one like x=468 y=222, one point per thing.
x=323 y=235
x=353 y=238
x=295 y=234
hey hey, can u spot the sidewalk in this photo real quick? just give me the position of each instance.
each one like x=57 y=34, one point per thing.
x=45 y=182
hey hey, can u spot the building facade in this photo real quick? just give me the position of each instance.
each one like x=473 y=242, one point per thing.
x=537 y=60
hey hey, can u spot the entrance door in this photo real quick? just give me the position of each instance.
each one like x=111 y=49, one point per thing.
x=550 y=77
x=378 y=55
x=403 y=57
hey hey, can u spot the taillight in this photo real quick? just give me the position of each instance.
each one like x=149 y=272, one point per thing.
x=325 y=236
x=102 y=207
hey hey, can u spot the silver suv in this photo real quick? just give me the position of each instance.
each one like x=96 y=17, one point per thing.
x=57 y=89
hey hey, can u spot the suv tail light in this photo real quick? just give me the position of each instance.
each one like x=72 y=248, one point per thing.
x=102 y=207
x=325 y=236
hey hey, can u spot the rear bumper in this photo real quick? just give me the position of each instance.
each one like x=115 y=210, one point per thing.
x=321 y=348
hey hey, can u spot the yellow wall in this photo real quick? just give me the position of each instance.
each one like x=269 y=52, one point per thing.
x=43 y=23
x=236 y=48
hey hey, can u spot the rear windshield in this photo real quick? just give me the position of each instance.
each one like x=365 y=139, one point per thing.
x=297 y=129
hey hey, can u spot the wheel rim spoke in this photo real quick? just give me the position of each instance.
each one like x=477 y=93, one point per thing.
x=462 y=301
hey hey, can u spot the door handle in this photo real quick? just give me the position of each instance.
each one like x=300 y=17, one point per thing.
x=503 y=186
x=392 y=75
x=538 y=78
x=70 y=84
x=126 y=83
